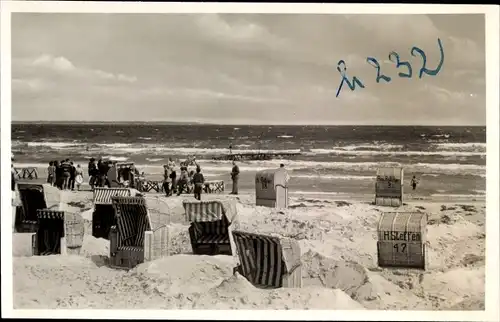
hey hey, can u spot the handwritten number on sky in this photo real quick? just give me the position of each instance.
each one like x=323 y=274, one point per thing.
x=404 y=67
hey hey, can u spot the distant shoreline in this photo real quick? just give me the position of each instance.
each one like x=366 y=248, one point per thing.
x=225 y=124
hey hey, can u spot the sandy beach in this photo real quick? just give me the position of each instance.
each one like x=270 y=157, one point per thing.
x=338 y=242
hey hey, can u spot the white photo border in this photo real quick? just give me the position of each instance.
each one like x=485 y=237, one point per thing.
x=492 y=161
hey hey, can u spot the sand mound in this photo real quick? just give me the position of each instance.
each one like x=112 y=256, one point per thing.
x=237 y=293
x=362 y=285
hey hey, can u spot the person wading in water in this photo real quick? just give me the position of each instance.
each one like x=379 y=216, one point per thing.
x=235 y=173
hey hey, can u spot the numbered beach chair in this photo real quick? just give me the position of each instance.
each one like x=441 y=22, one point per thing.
x=137 y=237
x=103 y=216
x=32 y=198
x=59 y=232
x=268 y=261
x=211 y=223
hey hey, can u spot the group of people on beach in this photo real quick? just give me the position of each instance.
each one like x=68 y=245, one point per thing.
x=64 y=175
x=174 y=185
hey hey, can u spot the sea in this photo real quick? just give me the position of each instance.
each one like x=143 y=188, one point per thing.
x=334 y=160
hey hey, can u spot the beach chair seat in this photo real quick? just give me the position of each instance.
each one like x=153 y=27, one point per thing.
x=268 y=261
x=136 y=238
x=59 y=232
x=210 y=225
x=31 y=198
x=103 y=216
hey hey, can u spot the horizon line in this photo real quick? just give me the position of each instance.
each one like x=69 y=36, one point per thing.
x=235 y=124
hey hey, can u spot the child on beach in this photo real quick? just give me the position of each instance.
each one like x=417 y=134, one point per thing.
x=51 y=171
x=78 y=176
x=414 y=182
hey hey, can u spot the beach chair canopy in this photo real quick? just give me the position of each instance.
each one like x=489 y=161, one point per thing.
x=207 y=211
x=133 y=220
x=266 y=260
x=102 y=196
x=49 y=195
x=36 y=196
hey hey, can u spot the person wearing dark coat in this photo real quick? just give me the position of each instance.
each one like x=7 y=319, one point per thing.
x=72 y=176
x=235 y=174
x=198 y=181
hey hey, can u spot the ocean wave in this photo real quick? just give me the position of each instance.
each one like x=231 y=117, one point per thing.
x=383 y=149
x=285 y=136
x=384 y=146
x=115 y=158
x=461 y=146
x=334 y=177
x=154 y=159
x=315 y=169
x=54 y=145
x=451 y=195
x=373 y=153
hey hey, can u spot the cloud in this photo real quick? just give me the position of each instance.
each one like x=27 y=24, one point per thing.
x=64 y=65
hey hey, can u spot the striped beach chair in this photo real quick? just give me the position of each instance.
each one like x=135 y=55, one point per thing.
x=32 y=198
x=103 y=216
x=210 y=227
x=136 y=238
x=268 y=261
x=59 y=232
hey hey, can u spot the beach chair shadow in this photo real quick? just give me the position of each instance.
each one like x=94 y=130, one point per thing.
x=136 y=238
x=268 y=261
x=103 y=216
x=210 y=227
x=59 y=232
x=32 y=198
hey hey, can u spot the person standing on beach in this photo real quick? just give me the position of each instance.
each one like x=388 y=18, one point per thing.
x=66 y=174
x=235 y=173
x=58 y=176
x=414 y=183
x=13 y=177
x=166 y=180
x=72 y=176
x=78 y=176
x=51 y=173
x=198 y=181
x=183 y=180
x=91 y=172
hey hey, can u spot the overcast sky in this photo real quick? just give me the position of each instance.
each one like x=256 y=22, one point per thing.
x=244 y=69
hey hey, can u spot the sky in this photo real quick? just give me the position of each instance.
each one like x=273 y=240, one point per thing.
x=245 y=68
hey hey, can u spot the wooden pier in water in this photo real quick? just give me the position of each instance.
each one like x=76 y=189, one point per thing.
x=254 y=156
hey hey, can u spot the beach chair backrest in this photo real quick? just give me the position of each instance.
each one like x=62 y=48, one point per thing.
x=102 y=196
x=37 y=196
x=132 y=220
x=203 y=211
x=261 y=258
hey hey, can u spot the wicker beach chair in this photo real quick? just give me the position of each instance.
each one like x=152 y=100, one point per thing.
x=268 y=262
x=103 y=216
x=211 y=225
x=137 y=237
x=59 y=232
x=32 y=198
